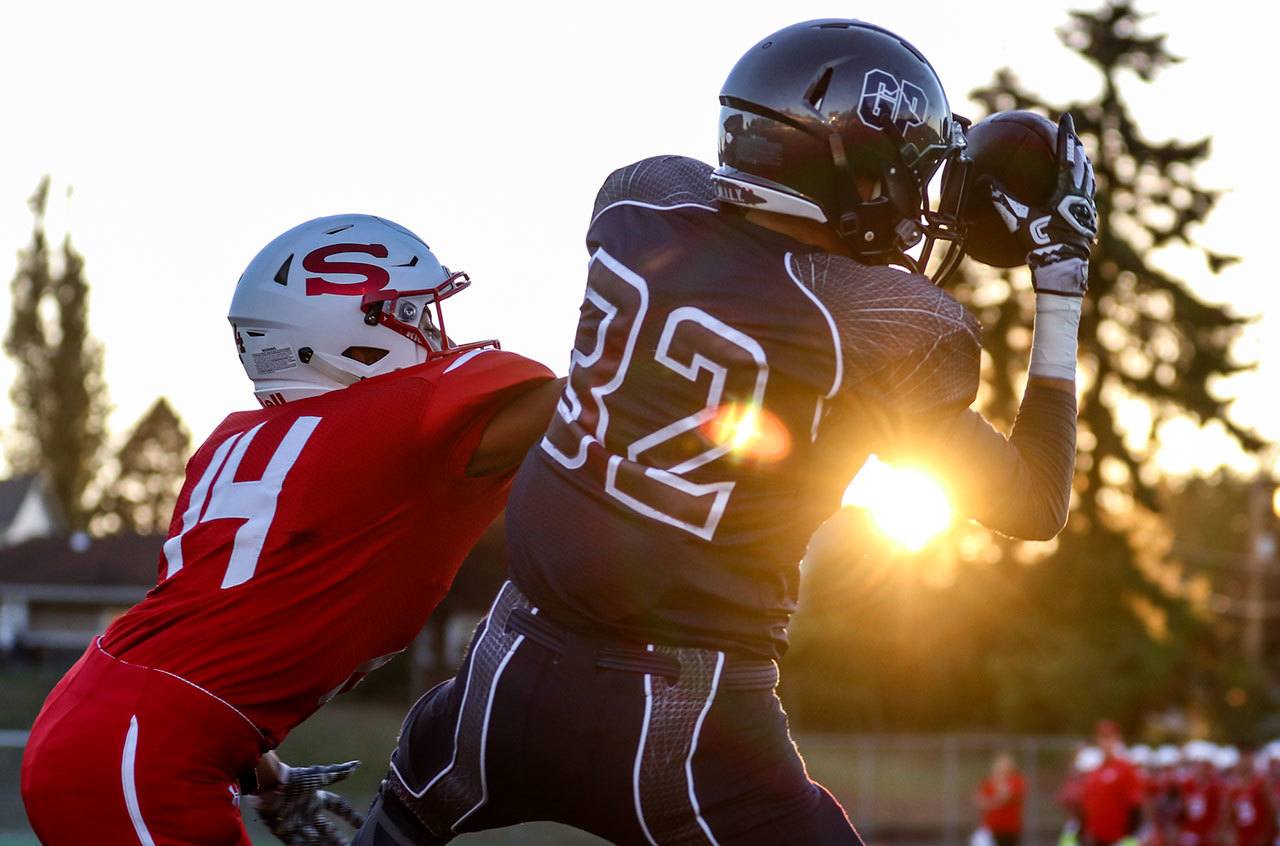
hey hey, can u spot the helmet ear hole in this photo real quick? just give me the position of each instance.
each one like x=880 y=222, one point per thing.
x=365 y=355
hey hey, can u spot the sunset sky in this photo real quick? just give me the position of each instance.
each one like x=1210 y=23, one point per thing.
x=192 y=135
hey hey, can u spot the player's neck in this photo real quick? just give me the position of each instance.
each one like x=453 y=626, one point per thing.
x=799 y=228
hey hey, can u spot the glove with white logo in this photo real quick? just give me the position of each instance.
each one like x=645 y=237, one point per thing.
x=295 y=809
x=1059 y=235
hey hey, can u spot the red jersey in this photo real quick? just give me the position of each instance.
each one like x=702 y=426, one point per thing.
x=1251 y=815
x=312 y=540
x=1004 y=817
x=1201 y=810
x=1111 y=793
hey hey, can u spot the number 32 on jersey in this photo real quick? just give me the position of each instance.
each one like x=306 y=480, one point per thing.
x=651 y=474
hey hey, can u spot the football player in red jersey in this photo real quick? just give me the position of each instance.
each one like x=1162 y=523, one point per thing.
x=1252 y=815
x=310 y=542
x=1113 y=793
x=1200 y=816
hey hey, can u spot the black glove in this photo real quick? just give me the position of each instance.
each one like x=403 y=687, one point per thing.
x=295 y=809
x=1059 y=235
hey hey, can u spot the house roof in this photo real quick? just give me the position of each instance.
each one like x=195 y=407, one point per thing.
x=131 y=561
x=121 y=560
x=12 y=493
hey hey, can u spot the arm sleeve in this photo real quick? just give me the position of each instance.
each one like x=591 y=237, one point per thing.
x=911 y=357
x=471 y=392
x=1020 y=485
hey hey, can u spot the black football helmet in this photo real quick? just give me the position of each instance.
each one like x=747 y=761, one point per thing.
x=817 y=106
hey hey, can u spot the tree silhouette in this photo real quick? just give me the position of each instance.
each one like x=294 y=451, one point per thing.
x=1100 y=623
x=1144 y=333
x=59 y=392
x=150 y=467
x=1145 y=336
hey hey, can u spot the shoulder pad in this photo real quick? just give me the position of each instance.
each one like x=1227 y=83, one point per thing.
x=662 y=181
x=903 y=338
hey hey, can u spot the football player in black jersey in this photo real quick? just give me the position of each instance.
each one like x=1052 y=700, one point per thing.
x=748 y=337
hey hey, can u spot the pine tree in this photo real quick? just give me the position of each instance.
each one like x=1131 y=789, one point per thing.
x=1145 y=333
x=1050 y=638
x=59 y=393
x=1100 y=607
x=149 y=472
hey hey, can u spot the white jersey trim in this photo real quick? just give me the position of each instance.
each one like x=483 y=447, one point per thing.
x=128 y=763
x=644 y=205
x=465 y=357
x=693 y=747
x=457 y=729
x=838 y=380
x=484 y=728
x=644 y=736
x=208 y=693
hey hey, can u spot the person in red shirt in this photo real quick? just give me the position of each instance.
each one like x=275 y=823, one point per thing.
x=1200 y=815
x=1000 y=799
x=311 y=540
x=1113 y=793
x=1162 y=795
x=1249 y=806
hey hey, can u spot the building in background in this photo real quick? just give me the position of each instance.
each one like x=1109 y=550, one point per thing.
x=57 y=593
x=28 y=510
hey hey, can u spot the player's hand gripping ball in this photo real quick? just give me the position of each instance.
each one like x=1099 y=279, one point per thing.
x=296 y=810
x=1018 y=151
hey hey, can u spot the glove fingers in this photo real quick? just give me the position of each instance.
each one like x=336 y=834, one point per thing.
x=326 y=833
x=326 y=774
x=1078 y=165
x=1012 y=212
x=340 y=807
x=334 y=803
x=1066 y=131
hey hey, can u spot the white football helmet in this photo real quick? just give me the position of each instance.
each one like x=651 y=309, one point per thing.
x=336 y=300
x=1088 y=759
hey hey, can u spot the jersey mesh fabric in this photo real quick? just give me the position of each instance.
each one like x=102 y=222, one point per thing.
x=665 y=181
x=613 y=523
x=451 y=795
x=676 y=712
x=363 y=539
x=905 y=342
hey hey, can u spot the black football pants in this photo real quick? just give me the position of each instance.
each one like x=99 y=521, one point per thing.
x=642 y=746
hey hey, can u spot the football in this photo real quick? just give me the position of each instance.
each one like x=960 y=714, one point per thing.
x=1019 y=150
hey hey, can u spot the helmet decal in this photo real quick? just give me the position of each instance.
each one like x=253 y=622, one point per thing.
x=886 y=99
x=375 y=278
x=845 y=123
x=384 y=313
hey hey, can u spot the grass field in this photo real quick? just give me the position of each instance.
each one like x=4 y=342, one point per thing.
x=900 y=790
x=339 y=732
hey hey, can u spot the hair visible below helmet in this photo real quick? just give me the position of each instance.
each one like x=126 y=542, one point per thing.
x=336 y=300
x=820 y=106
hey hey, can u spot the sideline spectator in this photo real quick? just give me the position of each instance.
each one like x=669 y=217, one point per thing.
x=1000 y=798
x=1253 y=818
x=1164 y=800
x=1071 y=796
x=1113 y=793
x=1201 y=792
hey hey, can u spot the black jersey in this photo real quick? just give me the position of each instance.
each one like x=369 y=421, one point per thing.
x=695 y=447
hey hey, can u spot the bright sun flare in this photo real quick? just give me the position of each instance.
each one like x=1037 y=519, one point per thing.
x=908 y=505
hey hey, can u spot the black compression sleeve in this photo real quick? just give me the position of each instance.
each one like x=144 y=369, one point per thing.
x=1020 y=486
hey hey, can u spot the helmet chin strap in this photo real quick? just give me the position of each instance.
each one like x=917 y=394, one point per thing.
x=329 y=367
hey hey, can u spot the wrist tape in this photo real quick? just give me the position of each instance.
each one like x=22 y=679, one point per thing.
x=1055 y=340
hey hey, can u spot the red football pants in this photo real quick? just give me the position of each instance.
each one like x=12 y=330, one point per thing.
x=122 y=754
